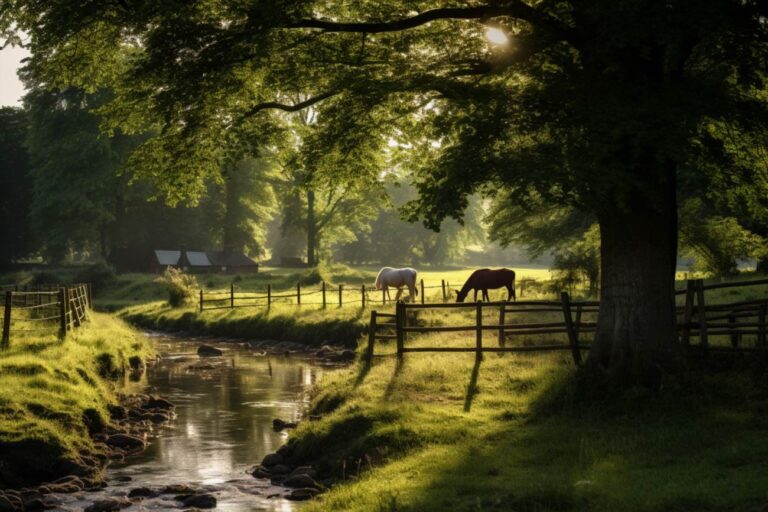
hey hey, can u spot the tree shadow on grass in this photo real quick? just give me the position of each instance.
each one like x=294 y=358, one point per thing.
x=472 y=388
x=399 y=363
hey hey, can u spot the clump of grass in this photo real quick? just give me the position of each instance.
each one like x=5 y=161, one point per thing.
x=51 y=390
x=181 y=287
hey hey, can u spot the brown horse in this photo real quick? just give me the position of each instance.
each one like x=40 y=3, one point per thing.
x=486 y=279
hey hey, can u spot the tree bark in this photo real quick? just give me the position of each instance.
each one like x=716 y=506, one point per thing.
x=311 y=229
x=636 y=339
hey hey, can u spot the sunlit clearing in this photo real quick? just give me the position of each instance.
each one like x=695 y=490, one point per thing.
x=496 y=36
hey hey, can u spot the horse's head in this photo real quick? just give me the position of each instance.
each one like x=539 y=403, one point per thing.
x=460 y=296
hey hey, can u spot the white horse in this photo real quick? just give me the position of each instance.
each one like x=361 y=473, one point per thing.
x=397 y=277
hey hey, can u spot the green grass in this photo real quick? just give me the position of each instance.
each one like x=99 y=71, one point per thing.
x=50 y=388
x=441 y=433
x=135 y=289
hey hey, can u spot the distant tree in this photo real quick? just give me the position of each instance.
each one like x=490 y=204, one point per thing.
x=717 y=242
x=16 y=237
x=74 y=172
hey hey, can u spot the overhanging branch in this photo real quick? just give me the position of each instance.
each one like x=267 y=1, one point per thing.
x=515 y=9
x=274 y=105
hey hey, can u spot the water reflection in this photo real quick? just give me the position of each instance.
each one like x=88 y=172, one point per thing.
x=224 y=423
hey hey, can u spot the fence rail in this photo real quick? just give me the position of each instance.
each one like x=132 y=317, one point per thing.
x=696 y=319
x=44 y=309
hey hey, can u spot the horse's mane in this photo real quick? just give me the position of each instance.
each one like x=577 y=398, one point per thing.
x=378 y=277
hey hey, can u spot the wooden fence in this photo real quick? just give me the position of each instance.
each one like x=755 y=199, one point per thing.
x=734 y=321
x=44 y=309
x=318 y=295
x=573 y=323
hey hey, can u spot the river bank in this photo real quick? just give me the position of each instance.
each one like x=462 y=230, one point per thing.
x=55 y=394
x=311 y=327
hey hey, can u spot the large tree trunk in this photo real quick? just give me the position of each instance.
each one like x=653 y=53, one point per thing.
x=311 y=230
x=636 y=336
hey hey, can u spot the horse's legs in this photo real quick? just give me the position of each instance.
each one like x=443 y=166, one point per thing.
x=475 y=294
x=511 y=292
x=486 y=298
x=399 y=291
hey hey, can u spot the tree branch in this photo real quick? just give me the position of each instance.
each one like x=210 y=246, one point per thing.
x=274 y=105
x=515 y=9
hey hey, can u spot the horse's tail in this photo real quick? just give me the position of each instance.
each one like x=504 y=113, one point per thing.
x=415 y=288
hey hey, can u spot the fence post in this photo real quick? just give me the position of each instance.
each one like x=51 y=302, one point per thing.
x=399 y=316
x=362 y=295
x=298 y=294
x=479 y=331
x=269 y=296
x=201 y=299
x=421 y=285
x=761 y=329
x=371 y=335
x=688 y=312
x=383 y=296
x=573 y=337
x=324 y=295
x=231 y=295
x=90 y=296
x=734 y=336
x=62 y=312
x=341 y=292
x=502 y=315
x=442 y=286
x=73 y=308
x=702 y=314
x=6 y=342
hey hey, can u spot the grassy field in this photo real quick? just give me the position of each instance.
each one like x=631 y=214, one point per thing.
x=134 y=289
x=51 y=389
x=440 y=432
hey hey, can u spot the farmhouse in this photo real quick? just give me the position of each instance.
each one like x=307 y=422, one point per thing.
x=202 y=262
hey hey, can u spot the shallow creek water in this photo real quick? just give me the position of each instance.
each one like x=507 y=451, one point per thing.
x=223 y=425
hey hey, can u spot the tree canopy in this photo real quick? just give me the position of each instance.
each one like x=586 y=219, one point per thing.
x=602 y=105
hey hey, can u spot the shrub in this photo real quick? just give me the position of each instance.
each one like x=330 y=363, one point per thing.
x=181 y=287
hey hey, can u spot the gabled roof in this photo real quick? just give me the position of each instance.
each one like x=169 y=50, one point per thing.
x=230 y=259
x=197 y=259
x=167 y=257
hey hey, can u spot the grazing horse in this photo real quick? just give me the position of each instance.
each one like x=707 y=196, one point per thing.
x=486 y=279
x=397 y=277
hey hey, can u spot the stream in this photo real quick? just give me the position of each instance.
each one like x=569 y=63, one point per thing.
x=225 y=407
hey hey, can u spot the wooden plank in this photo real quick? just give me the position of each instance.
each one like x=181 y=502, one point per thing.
x=573 y=337
x=704 y=341
x=540 y=348
x=371 y=334
x=502 y=309
x=479 y=332
x=6 y=340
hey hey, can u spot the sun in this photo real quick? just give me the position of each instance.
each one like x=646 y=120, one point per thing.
x=496 y=36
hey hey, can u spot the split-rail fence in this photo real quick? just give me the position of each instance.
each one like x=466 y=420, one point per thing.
x=736 y=321
x=324 y=295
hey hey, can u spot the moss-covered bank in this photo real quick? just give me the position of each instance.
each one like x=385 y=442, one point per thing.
x=440 y=432
x=310 y=326
x=52 y=393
